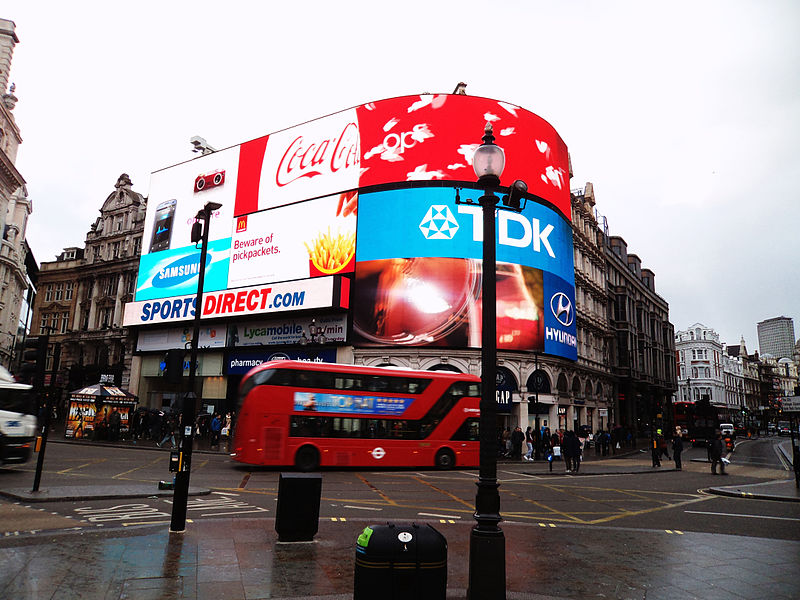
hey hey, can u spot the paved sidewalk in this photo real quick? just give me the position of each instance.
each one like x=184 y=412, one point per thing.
x=241 y=559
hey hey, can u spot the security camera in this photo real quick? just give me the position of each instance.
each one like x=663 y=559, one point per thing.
x=201 y=145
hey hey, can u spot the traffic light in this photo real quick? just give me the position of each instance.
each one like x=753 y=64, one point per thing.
x=34 y=360
x=173 y=366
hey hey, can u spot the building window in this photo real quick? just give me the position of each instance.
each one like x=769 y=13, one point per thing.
x=64 y=322
x=68 y=290
x=48 y=294
x=43 y=324
x=59 y=291
x=137 y=246
x=108 y=285
x=115 y=249
x=69 y=254
x=105 y=317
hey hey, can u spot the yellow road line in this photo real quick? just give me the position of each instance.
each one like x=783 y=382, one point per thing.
x=445 y=493
x=646 y=511
x=151 y=463
x=376 y=490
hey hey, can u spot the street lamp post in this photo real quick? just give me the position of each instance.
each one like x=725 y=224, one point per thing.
x=487 y=561
x=181 y=496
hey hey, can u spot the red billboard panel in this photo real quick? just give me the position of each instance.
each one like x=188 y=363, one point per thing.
x=410 y=138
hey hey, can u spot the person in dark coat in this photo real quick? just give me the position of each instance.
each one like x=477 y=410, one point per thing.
x=517 y=437
x=716 y=455
x=677 y=448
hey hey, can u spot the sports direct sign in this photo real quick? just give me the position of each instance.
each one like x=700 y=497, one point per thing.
x=312 y=293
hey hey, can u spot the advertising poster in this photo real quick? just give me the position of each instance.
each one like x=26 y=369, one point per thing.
x=85 y=421
x=409 y=138
x=348 y=404
x=286 y=331
x=421 y=285
x=302 y=240
x=170 y=262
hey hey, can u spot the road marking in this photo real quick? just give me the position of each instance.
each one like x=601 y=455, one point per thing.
x=674 y=531
x=699 y=512
x=151 y=463
x=446 y=493
x=422 y=514
x=446 y=521
x=118 y=513
x=361 y=507
x=342 y=519
x=376 y=490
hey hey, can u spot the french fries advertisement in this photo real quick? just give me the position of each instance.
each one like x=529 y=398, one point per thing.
x=297 y=241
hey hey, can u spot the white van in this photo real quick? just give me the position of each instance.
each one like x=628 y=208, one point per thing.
x=726 y=428
x=17 y=421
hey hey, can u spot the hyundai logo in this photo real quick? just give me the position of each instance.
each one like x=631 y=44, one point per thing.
x=438 y=223
x=561 y=306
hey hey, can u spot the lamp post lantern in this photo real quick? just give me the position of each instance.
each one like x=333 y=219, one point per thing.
x=181 y=496
x=487 y=561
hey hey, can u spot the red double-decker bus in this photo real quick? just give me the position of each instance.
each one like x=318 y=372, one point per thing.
x=333 y=415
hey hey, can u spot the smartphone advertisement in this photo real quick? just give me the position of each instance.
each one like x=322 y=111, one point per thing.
x=170 y=263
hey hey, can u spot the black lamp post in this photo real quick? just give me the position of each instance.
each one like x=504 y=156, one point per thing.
x=181 y=496
x=487 y=560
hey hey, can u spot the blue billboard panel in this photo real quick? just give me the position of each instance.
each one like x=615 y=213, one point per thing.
x=175 y=272
x=419 y=272
x=422 y=222
x=560 y=330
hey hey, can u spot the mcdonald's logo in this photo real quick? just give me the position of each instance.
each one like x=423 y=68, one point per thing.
x=241 y=224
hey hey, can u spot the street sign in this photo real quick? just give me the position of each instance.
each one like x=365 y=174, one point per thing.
x=791 y=404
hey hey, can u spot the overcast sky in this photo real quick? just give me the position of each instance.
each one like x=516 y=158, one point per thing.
x=684 y=115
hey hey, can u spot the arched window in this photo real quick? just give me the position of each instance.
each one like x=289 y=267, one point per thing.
x=599 y=390
x=576 y=386
x=538 y=382
x=443 y=367
x=588 y=390
x=562 y=384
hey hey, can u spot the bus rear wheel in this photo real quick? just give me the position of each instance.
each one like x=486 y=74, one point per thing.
x=307 y=459
x=445 y=459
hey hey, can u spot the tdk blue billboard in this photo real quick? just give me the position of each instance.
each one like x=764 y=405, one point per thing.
x=418 y=273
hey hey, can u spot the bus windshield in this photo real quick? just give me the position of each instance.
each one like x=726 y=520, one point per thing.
x=16 y=400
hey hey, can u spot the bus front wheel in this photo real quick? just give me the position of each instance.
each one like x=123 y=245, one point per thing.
x=445 y=459
x=307 y=459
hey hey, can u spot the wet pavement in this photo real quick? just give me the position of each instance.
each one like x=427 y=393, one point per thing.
x=224 y=558
x=242 y=559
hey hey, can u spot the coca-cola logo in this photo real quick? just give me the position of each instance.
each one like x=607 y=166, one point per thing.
x=307 y=158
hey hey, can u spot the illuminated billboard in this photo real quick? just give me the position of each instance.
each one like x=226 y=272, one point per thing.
x=418 y=273
x=345 y=195
x=410 y=138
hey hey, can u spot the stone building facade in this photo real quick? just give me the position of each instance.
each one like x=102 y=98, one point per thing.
x=642 y=354
x=82 y=295
x=15 y=207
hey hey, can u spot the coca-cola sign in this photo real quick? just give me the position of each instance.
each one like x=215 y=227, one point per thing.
x=307 y=161
x=311 y=157
x=410 y=138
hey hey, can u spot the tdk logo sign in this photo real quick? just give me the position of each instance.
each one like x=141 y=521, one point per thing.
x=514 y=229
x=562 y=308
x=179 y=271
x=438 y=223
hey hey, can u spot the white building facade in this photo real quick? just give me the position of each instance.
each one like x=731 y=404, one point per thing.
x=701 y=372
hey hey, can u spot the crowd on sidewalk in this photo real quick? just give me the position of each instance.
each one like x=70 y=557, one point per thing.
x=567 y=445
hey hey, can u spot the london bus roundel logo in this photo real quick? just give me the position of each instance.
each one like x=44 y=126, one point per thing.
x=378 y=453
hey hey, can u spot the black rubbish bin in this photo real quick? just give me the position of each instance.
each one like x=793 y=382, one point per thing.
x=297 y=516
x=400 y=561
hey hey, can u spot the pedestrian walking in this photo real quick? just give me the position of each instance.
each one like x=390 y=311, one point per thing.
x=529 y=444
x=677 y=448
x=167 y=431
x=114 y=424
x=216 y=427
x=716 y=455
x=567 y=450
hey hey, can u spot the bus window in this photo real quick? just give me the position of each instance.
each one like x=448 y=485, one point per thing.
x=468 y=432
